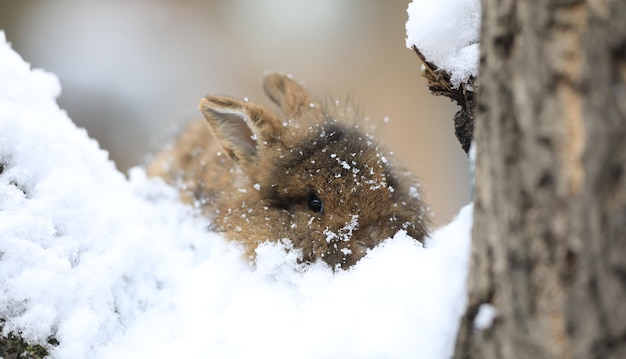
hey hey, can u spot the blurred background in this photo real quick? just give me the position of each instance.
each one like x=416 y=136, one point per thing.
x=131 y=71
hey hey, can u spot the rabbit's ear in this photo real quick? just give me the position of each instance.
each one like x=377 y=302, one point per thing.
x=293 y=99
x=231 y=120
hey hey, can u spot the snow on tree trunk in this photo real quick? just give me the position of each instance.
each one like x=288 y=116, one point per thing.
x=548 y=266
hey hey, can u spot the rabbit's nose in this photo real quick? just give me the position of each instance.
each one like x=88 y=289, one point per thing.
x=377 y=232
x=371 y=235
x=374 y=232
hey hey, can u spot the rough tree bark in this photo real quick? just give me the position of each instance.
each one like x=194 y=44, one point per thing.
x=549 y=237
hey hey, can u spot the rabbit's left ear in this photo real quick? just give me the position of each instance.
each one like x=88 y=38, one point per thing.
x=292 y=98
x=238 y=125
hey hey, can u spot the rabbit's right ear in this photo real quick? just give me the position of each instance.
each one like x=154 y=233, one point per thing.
x=238 y=125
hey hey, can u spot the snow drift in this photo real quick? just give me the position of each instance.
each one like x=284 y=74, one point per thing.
x=116 y=267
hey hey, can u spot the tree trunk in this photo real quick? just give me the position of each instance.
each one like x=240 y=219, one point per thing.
x=549 y=237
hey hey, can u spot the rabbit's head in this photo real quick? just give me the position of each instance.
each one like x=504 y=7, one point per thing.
x=309 y=177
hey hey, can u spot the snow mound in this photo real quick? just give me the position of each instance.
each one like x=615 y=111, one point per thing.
x=118 y=268
x=447 y=34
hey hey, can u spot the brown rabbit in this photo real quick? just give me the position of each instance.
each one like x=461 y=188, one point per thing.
x=309 y=177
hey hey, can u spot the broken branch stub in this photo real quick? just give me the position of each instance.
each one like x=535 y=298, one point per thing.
x=439 y=84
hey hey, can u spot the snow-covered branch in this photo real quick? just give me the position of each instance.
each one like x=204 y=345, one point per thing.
x=445 y=36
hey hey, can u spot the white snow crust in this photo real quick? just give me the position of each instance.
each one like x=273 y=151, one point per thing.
x=447 y=34
x=485 y=316
x=116 y=267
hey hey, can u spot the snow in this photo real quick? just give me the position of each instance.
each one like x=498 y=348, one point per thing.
x=485 y=316
x=116 y=267
x=447 y=34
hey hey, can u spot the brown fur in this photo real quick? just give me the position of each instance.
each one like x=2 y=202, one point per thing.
x=255 y=174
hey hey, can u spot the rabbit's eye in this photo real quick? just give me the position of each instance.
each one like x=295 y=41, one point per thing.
x=315 y=204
